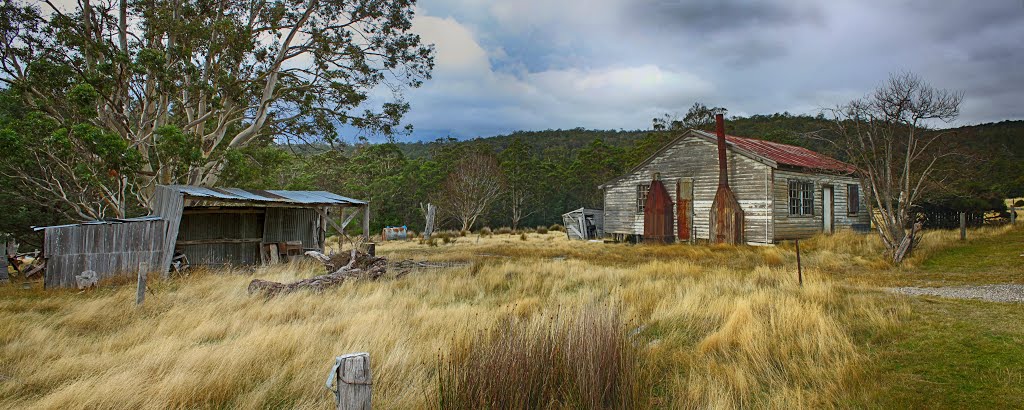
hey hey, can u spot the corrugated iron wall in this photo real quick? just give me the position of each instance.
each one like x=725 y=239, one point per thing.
x=293 y=224
x=168 y=204
x=107 y=249
x=239 y=235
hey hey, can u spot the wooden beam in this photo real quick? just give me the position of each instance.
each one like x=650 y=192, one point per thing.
x=349 y=218
x=219 y=210
x=218 y=240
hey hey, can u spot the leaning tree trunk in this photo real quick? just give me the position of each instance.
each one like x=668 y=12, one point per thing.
x=906 y=246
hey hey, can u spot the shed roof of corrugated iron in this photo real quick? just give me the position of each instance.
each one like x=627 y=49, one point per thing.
x=268 y=196
x=103 y=222
x=582 y=211
x=787 y=154
x=771 y=153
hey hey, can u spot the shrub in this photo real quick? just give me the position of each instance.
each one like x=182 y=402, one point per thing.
x=522 y=237
x=542 y=230
x=485 y=231
x=463 y=233
x=581 y=360
x=504 y=230
x=556 y=228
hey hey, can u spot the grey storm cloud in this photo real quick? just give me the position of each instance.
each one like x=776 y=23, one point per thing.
x=535 y=64
x=726 y=15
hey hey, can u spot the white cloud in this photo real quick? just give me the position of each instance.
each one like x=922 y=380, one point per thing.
x=469 y=97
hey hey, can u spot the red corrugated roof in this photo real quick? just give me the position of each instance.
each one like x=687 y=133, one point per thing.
x=789 y=154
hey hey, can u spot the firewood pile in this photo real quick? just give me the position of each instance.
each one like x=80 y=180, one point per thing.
x=340 y=267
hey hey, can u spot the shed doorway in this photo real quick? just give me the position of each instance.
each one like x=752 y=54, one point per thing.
x=828 y=209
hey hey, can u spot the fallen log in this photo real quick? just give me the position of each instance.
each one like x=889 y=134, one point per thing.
x=357 y=265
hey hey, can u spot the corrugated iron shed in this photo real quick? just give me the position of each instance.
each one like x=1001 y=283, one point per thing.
x=584 y=223
x=217 y=226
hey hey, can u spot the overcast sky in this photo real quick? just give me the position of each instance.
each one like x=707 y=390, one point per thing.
x=614 y=64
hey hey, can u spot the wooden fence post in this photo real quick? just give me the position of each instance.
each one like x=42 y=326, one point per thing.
x=963 y=226
x=355 y=382
x=799 y=270
x=428 y=229
x=1013 y=215
x=140 y=293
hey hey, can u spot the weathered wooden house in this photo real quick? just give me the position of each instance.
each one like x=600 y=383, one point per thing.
x=785 y=192
x=209 y=226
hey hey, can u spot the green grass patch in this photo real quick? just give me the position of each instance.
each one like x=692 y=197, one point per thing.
x=952 y=354
x=996 y=259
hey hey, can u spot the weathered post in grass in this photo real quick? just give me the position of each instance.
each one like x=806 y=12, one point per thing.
x=355 y=382
x=799 y=270
x=1013 y=215
x=140 y=293
x=428 y=229
x=963 y=226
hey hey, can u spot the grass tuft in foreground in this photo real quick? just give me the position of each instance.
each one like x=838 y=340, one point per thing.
x=581 y=359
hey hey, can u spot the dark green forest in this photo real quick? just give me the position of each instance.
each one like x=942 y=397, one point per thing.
x=555 y=170
x=561 y=169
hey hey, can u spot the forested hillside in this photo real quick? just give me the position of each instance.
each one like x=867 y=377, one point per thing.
x=560 y=170
x=549 y=172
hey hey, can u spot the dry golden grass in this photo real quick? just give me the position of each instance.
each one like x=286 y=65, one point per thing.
x=717 y=326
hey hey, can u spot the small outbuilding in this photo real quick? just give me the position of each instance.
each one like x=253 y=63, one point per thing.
x=232 y=226
x=205 y=226
x=584 y=224
x=785 y=192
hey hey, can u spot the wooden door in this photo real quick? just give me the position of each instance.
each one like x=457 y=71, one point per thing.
x=684 y=209
x=658 y=216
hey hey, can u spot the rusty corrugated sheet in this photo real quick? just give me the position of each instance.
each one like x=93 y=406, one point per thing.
x=292 y=224
x=658 y=221
x=214 y=231
x=786 y=154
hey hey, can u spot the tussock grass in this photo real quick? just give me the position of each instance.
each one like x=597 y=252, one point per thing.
x=581 y=359
x=673 y=326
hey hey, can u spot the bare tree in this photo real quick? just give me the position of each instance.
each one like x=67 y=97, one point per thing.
x=471 y=188
x=888 y=136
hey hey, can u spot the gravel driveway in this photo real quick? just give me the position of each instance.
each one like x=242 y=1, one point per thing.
x=991 y=293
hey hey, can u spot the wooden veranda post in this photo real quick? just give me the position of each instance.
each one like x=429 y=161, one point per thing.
x=355 y=382
x=366 y=222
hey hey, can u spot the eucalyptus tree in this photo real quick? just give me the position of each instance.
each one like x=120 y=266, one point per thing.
x=121 y=95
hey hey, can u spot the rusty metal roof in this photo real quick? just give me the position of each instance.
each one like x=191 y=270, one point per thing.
x=103 y=222
x=265 y=196
x=785 y=154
